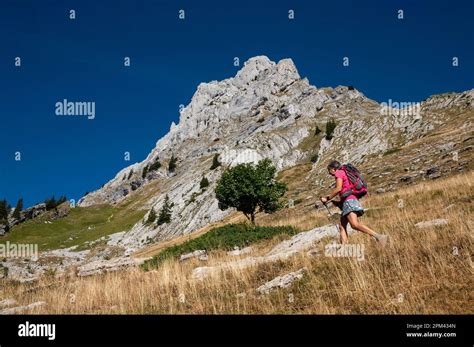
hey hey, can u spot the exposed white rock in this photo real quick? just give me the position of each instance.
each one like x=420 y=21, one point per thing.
x=238 y=251
x=101 y=266
x=431 y=223
x=20 y=309
x=284 y=281
x=7 y=302
x=201 y=253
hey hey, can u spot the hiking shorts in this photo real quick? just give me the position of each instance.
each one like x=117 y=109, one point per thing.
x=352 y=205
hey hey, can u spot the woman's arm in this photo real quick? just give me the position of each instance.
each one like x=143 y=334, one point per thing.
x=334 y=192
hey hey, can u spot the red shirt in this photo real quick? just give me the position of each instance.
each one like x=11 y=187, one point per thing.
x=346 y=184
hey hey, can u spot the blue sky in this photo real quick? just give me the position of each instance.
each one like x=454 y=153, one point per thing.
x=82 y=60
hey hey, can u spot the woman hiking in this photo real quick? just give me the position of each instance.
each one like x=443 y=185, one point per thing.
x=349 y=204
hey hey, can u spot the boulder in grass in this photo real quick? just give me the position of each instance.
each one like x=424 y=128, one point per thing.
x=7 y=302
x=431 y=223
x=21 y=309
x=237 y=251
x=281 y=281
x=200 y=253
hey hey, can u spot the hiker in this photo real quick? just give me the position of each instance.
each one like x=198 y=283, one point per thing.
x=349 y=194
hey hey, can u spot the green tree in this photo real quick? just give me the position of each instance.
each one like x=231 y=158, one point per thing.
x=314 y=158
x=144 y=172
x=249 y=187
x=155 y=166
x=130 y=174
x=172 y=164
x=19 y=207
x=330 y=126
x=204 y=183
x=62 y=199
x=4 y=210
x=50 y=203
x=215 y=162
x=151 y=217
x=317 y=131
x=165 y=212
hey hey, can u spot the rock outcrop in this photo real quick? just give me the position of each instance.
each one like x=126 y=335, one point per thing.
x=431 y=223
x=22 y=309
x=284 y=281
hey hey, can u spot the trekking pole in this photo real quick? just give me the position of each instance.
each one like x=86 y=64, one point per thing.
x=327 y=208
x=330 y=216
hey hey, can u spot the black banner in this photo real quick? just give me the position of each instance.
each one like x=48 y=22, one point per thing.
x=179 y=329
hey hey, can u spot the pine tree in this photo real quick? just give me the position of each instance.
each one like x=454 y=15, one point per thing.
x=172 y=164
x=215 y=162
x=151 y=217
x=18 y=209
x=204 y=183
x=62 y=199
x=145 y=172
x=317 y=131
x=330 y=126
x=165 y=212
x=50 y=203
x=3 y=210
x=155 y=166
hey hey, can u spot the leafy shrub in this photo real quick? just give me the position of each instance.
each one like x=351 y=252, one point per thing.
x=249 y=187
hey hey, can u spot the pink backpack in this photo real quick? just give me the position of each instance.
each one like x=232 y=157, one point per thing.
x=357 y=181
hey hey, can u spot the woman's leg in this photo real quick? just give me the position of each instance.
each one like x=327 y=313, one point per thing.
x=355 y=224
x=343 y=230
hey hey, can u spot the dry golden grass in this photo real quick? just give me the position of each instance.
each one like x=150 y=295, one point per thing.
x=421 y=271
